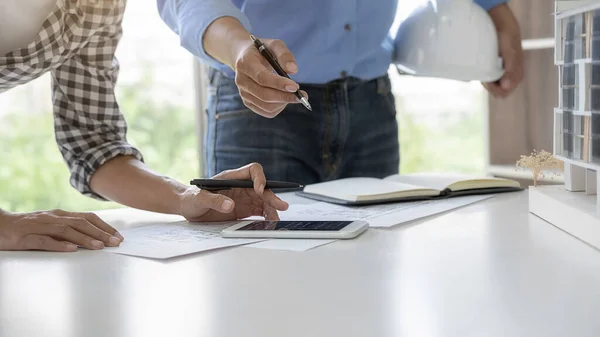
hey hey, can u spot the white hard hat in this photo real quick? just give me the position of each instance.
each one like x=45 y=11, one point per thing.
x=453 y=39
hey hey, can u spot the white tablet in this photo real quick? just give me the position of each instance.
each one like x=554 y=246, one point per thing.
x=296 y=229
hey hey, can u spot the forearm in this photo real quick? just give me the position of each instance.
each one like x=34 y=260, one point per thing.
x=190 y=19
x=504 y=19
x=224 y=38
x=128 y=181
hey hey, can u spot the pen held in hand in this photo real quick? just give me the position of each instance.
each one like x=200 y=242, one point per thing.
x=266 y=53
x=227 y=184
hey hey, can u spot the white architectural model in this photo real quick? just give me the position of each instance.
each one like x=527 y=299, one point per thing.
x=575 y=207
x=577 y=118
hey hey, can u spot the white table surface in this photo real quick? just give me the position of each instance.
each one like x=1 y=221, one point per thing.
x=490 y=269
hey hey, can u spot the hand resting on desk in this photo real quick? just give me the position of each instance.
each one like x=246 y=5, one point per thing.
x=55 y=230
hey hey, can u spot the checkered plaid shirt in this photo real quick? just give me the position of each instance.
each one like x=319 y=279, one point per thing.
x=77 y=44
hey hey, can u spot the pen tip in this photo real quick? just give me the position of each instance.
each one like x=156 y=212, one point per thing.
x=304 y=102
x=252 y=37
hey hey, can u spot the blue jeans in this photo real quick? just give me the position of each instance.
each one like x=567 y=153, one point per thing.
x=351 y=132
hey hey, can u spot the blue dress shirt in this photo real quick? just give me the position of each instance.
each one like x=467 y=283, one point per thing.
x=329 y=38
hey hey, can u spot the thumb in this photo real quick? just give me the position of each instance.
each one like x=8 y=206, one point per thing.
x=217 y=202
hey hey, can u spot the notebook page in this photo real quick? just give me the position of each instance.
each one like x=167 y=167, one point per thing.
x=351 y=188
x=438 y=181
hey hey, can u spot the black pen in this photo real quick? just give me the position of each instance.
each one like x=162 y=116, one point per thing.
x=273 y=62
x=222 y=184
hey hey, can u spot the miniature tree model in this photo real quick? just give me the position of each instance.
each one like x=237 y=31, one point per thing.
x=538 y=162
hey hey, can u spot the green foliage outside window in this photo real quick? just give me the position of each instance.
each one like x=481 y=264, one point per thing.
x=457 y=147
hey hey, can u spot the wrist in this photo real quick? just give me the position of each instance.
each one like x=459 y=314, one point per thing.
x=6 y=216
x=238 y=45
x=177 y=193
x=226 y=29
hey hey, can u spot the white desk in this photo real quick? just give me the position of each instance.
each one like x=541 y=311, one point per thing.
x=490 y=269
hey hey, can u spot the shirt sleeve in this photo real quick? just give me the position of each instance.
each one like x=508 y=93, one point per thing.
x=190 y=19
x=89 y=127
x=489 y=4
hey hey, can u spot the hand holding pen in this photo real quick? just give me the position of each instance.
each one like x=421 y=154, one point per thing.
x=263 y=91
x=277 y=67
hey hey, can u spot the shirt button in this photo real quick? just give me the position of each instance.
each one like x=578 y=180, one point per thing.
x=344 y=74
x=347 y=27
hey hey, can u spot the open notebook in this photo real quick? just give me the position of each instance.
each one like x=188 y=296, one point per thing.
x=419 y=186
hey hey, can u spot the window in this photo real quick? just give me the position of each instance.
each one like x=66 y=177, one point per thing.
x=441 y=124
x=156 y=94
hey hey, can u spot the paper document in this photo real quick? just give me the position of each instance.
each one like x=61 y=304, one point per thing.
x=163 y=241
x=296 y=245
x=384 y=215
x=423 y=210
x=328 y=211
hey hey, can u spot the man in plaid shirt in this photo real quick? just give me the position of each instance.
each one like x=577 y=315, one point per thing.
x=76 y=43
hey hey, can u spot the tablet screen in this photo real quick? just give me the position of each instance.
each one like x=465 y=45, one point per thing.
x=295 y=226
